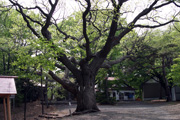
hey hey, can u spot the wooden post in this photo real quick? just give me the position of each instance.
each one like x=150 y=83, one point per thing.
x=5 y=111
x=7 y=88
x=9 y=107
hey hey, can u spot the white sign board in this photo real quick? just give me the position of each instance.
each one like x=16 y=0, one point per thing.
x=7 y=86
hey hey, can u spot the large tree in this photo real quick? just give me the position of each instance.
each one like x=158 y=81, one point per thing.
x=110 y=29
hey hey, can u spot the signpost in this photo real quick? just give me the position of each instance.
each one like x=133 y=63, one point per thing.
x=7 y=88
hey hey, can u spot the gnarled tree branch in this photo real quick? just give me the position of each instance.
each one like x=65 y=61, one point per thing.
x=88 y=51
x=20 y=10
x=63 y=58
x=68 y=85
x=155 y=26
x=110 y=63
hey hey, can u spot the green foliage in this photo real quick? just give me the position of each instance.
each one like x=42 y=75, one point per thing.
x=19 y=98
x=15 y=50
x=57 y=91
x=102 y=74
x=175 y=72
x=146 y=60
x=101 y=96
x=102 y=99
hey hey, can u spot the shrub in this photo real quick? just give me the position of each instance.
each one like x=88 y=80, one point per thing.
x=104 y=100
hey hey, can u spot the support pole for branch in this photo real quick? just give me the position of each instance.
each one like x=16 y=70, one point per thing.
x=46 y=98
x=25 y=101
x=42 y=91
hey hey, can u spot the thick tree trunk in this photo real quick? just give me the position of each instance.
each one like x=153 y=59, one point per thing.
x=168 y=94
x=86 y=100
x=84 y=91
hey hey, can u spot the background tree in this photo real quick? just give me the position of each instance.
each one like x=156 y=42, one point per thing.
x=173 y=75
x=152 y=58
x=15 y=44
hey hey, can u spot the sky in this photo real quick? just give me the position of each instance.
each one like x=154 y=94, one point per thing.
x=69 y=6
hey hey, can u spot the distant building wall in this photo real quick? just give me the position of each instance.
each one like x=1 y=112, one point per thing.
x=176 y=93
x=123 y=94
x=153 y=91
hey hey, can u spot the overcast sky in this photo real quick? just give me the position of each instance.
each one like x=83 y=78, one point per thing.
x=69 y=6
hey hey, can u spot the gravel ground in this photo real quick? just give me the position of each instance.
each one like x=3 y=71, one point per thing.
x=130 y=110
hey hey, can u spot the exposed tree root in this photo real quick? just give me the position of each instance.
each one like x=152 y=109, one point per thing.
x=49 y=116
x=84 y=112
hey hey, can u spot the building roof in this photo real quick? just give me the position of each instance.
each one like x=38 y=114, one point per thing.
x=112 y=78
x=123 y=88
x=8 y=76
x=7 y=85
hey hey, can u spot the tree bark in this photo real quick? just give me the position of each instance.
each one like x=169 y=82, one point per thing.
x=84 y=90
x=86 y=99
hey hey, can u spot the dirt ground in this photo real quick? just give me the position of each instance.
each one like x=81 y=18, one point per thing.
x=154 y=110
x=129 y=110
x=34 y=109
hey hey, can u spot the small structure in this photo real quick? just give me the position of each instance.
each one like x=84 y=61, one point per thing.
x=124 y=93
x=120 y=91
x=7 y=88
x=153 y=90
